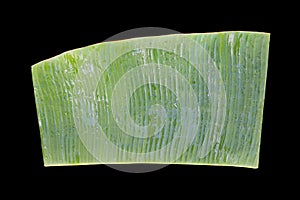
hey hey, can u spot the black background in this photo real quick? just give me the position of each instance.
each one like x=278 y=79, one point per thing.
x=35 y=34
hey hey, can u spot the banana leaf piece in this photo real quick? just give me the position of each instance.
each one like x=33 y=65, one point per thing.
x=174 y=99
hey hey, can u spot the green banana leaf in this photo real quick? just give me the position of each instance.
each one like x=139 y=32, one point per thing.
x=175 y=99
